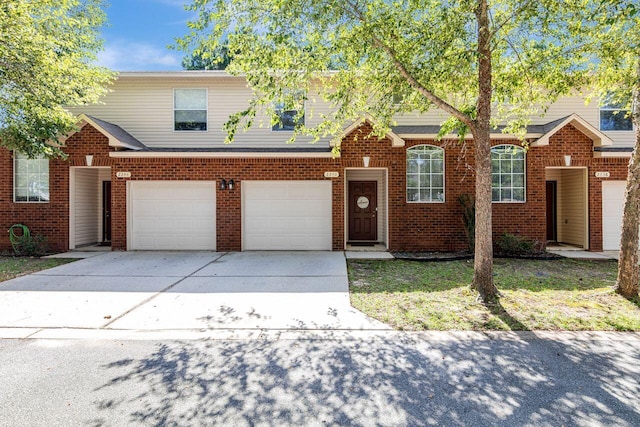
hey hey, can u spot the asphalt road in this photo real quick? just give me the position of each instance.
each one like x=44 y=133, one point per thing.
x=385 y=379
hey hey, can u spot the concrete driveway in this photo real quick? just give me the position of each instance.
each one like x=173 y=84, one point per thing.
x=182 y=291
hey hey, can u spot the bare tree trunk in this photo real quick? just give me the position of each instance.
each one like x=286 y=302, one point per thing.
x=628 y=269
x=483 y=263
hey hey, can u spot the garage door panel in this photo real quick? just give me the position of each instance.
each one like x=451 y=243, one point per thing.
x=167 y=215
x=612 y=208
x=287 y=215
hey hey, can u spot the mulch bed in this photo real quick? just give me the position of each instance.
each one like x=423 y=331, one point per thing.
x=454 y=256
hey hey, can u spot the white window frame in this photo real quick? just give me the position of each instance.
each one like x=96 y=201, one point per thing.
x=621 y=111
x=206 y=109
x=297 y=94
x=431 y=187
x=523 y=173
x=18 y=159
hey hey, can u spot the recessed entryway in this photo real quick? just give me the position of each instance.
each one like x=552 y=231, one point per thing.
x=567 y=216
x=365 y=208
x=89 y=206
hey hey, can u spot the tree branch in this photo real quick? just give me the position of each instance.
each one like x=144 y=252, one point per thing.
x=413 y=82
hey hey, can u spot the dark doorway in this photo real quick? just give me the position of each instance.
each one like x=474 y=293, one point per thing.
x=106 y=211
x=363 y=211
x=552 y=211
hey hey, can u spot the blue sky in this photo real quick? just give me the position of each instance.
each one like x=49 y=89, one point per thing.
x=138 y=32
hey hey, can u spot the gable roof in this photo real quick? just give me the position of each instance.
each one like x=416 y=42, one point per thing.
x=599 y=139
x=117 y=136
x=541 y=133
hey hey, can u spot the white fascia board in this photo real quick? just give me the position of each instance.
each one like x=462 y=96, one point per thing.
x=467 y=137
x=217 y=155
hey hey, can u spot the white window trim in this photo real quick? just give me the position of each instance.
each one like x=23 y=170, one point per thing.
x=15 y=167
x=607 y=107
x=304 y=116
x=444 y=186
x=173 y=112
x=524 y=173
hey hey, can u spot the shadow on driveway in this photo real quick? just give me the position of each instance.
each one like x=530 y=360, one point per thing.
x=393 y=380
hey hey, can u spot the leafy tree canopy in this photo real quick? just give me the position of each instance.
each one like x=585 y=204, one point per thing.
x=47 y=54
x=217 y=59
x=481 y=62
x=615 y=48
x=424 y=52
x=616 y=52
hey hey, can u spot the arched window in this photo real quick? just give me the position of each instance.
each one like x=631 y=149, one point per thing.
x=508 y=174
x=425 y=174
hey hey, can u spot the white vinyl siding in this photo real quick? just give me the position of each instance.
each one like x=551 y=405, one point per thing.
x=87 y=206
x=286 y=215
x=572 y=204
x=144 y=108
x=171 y=215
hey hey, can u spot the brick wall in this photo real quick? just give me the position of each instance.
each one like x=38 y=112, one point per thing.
x=439 y=226
x=228 y=202
x=412 y=226
x=51 y=219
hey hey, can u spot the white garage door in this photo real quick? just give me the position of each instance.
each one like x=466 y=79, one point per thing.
x=286 y=215
x=165 y=215
x=612 y=207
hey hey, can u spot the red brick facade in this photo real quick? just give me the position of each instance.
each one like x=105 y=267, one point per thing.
x=411 y=226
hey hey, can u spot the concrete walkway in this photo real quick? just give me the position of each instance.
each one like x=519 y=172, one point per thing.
x=174 y=294
x=580 y=254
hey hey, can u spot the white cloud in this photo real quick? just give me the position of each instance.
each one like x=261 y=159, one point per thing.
x=124 y=55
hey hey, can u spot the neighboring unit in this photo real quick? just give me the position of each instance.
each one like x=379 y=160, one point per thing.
x=148 y=170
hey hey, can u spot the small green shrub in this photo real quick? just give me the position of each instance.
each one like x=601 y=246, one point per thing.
x=510 y=244
x=36 y=246
x=26 y=244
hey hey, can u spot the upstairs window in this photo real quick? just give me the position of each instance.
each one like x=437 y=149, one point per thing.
x=289 y=111
x=425 y=174
x=30 y=179
x=190 y=109
x=614 y=117
x=507 y=174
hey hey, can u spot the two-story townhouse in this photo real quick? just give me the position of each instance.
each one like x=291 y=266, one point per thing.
x=148 y=170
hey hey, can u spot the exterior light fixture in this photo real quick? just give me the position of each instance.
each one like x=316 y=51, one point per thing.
x=223 y=184
x=230 y=184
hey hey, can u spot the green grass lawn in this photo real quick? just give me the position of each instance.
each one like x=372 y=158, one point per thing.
x=562 y=294
x=11 y=267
